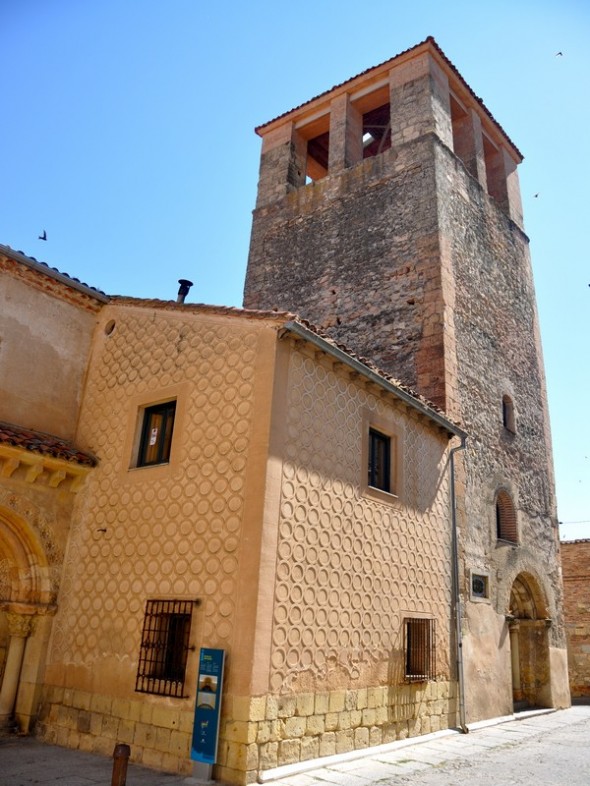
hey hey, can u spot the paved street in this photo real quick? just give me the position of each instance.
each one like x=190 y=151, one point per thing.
x=548 y=749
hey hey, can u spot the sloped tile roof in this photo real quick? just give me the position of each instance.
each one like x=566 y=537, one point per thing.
x=43 y=267
x=431 y=41
x=45 y=444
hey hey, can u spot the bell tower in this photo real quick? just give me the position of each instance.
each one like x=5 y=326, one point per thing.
x=389 y=215
x=353 y=226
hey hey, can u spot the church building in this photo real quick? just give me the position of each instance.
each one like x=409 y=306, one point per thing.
x=346 y=485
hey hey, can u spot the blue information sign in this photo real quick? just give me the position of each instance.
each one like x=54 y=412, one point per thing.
x=208 y=706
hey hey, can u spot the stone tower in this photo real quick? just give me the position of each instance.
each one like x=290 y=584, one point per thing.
x=389 y=214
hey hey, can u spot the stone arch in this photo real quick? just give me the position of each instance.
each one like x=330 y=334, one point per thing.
x=527 y=599
x=26 y=574
x=529 y=642
x=26 y=593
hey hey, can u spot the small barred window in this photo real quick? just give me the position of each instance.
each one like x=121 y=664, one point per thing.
x=164 y=647
x=419 y=649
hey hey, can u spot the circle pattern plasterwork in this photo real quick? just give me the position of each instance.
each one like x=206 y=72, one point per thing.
x=348 y=567
x=179 y=536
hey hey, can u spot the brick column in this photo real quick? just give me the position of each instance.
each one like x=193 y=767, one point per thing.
x=420 y=102
x=468 y=145
x=346 y=134
x=282 y=164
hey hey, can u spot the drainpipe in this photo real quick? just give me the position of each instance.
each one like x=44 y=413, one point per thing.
x=456 y=592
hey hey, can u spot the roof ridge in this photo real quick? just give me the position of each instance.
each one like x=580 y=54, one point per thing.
x=428 y=40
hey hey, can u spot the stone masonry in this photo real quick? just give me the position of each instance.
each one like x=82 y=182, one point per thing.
x=416 y=257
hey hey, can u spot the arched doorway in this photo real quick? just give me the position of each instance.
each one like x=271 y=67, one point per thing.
x=25 y=596
x=529 y=644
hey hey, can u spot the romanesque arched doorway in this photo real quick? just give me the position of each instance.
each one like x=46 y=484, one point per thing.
x=529 y=643
x=25 y=596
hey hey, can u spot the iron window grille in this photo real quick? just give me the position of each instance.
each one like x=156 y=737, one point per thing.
x=419 y=649
x=156 y=434
x=379 y=460
x=164 y=647
x=479 y=585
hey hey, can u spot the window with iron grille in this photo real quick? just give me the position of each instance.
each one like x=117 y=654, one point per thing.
x=379 y=460
x=419 y=649
x=156 y=434
x=164 y=647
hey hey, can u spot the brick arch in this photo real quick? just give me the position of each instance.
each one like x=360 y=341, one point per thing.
x=506 y=521
x=25 y=568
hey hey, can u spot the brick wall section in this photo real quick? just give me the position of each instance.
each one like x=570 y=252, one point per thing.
x=575 y=558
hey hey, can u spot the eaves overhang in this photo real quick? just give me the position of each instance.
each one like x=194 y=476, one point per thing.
x=300 y=331
x=54 y=273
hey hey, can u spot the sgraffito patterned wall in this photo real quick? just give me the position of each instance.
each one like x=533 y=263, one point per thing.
x=152 y=533
x=349 y=568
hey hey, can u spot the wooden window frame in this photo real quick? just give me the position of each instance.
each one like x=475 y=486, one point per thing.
x=379 y=463
x=506 y=519
x=163 y=437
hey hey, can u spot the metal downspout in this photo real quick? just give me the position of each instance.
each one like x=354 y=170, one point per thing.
x=456 y=592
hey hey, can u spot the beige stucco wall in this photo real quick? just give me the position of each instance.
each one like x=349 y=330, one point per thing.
x=304 y=576
x=45 y=333
x=188 y=529
x=346 y=565
x=46 y=329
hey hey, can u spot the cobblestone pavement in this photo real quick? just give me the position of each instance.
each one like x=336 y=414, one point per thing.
x=545 y=749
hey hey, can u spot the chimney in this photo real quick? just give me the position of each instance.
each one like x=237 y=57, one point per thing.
x=185 y=285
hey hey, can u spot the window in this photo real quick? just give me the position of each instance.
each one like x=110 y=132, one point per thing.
x=376 y=131
x=505 y=518
x=164 y=647
x=419 y=649
x=508 y=414
x=156 y=434
x=479 y=586
x=379 y=460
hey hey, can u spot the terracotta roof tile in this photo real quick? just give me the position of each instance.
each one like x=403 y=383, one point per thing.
x=430 y=40
x=19 y=256
x=202 y=308
x=281 y=316
x=45 y=444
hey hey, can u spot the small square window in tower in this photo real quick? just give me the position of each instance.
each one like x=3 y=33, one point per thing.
x=379 y=460
x=164 y=647
x=419 y=649
x=156 y=434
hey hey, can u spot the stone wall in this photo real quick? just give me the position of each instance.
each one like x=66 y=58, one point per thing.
x=575 y=558
x=413 y=261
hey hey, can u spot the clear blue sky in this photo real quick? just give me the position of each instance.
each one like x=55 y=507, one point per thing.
x=127 y=134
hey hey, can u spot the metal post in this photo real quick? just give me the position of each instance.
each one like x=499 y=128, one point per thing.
x=120 y=761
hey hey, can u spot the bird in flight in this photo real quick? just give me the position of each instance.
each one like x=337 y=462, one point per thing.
x=559 y=54
x=43 y=235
